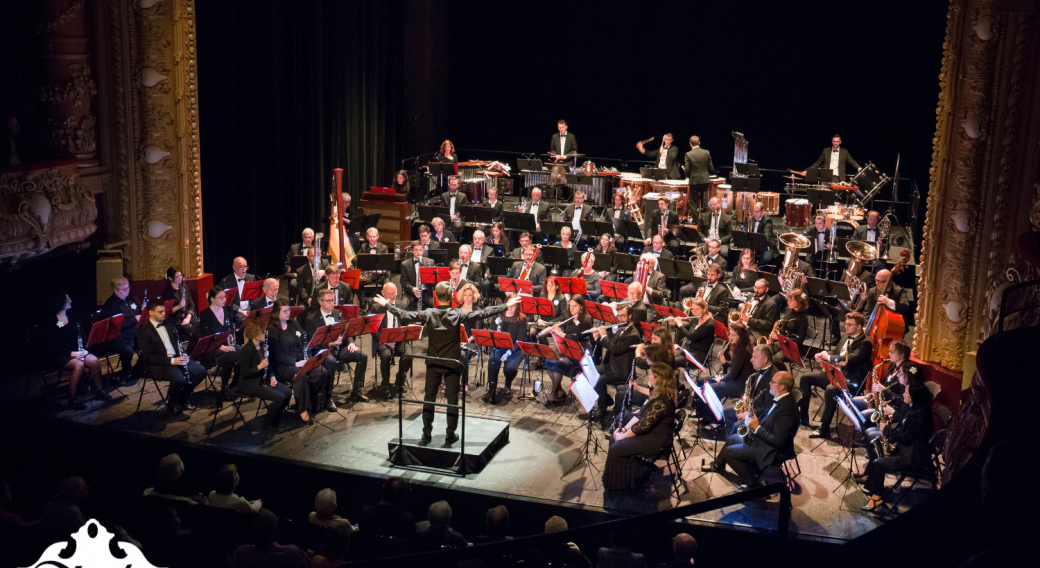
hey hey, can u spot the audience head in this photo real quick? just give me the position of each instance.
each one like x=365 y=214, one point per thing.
x=394 y=490
x=73 y=490
x=226 y=479
x=497 y=520
x=325 y=502
x=439 y=514
x=264 y=527
x=170 y=469
x=336 y=543
x=555 y=524
x=684 y=546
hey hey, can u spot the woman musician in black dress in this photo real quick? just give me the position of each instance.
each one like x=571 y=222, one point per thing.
x=494 y=203
x=286 y=344
x=183 y=310
x=698 y=333
x=216 y=318
x=513 y=322
x=574 y=329
x=62 y=342
x=256 y=378
x=794 y=326
x=644 y=433
x=401 y=184
x=747 y=262
x=551 y=292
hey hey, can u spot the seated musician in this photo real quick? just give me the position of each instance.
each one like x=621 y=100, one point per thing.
x=161 y=350
x=469 y=270
x=376 y=278
x=801 y=285
x=714 y=224
x=529 y=269
x=854 y=361
x=911 y=431
x=513 y=322
x=656 y=284
x=745 y=282
x=657 y=249
x=538 y=208
x=342 y=293
x=414 y=290
x=762 y=224
x=387 y=351
x=308 y=281
x=617 y=208
x=868 y=232
x=446 y=153
x=577 y=212
x=255 y=377
x=401 y=184
x=759 y=381
x=566 y=243
x=638 y=304
x=772 y=438
x=62 y=344
x=820 y=237
x=890 y=387
x=343 y=350
x=761 y=310
x=794 y=327
x=738 y=360
x=619 y=343
x=895 y=297
x=590 y=276
x=287 y=354
x=494 y=204
x=118 y=303
x=428 y=243
x=698 y=334
x=551 y=292
x=666 y=157
x=479 y=250
x=183 y=311
x=713 y=291
x=525 y=241
x=716 y=255
x=644 y=434
x=300 y=248
x=440 y=234
x=216 y=318
x=268 y=295
x=238 y=278
x=498 y=237
x=455 y=278
x=606 y=246
x=573 y=330
x=663 y=219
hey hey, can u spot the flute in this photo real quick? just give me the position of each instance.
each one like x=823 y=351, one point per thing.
x=546 y=331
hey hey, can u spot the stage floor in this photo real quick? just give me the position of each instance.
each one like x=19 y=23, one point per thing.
x=543 y=444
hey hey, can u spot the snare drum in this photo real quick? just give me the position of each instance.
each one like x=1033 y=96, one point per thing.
x=590 y=168
x=797 y=213
x=475 y=188
x=743 y=203
x=770 y=202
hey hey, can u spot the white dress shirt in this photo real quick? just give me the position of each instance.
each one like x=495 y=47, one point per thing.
x=563 y=144
x=165 y=337
x=576 y=221
x=243 y=304
x=834 y=161
x=662 y=160
x=451 y=202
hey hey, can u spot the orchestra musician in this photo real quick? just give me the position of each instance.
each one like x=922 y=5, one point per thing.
x=411 y=283
x=120 y=302
x=342 y=293
x=494 y=204
x=714 y=224
x=386 y=352
x=740 y=280
x=666 y=157
x=662 y=218
x=773 y=439
x=442 y=326
x=644 y=434
x=59 y=346
x=589 y=275
x=287 y=355
x=401 y=184
x=481 y=249
x=451 y=199
x=795 y=325
x=896 y=299
x=237 y=279
x=716 y=293
x=216 y=318
x=656 y=248
x=656 y=283
x=562 y=142
x=371 y=246
x=183 y=310
x=446 y=153
x=891 y=385
x=343 y=350
x=306 y=283
x=255 y=378
x=762 y=224
x=834 y=158
x=699 y=170
x=428 y=244
x=498 y=237
x=606 y=246
x=738 y=359
x=573 y=330
x=761 y=315
x=467 y=297
x=299 y=249
x=820 y=237
x=469 y=270
x=868 y=232
x=760 y=377
x=455 y=278
x=565 y=243
x=699 y=331
x=537 y=207
x=161 y=349
x=551 y=292
x=577 y=212
x=440 y=234
x=617 y=210
x=854 y=361
x=529 y=269
x=525 y=241
x=513 y=322
x=635 y=300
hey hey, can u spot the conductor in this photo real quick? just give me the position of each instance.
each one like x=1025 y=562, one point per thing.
x=834 y=158
x=442 y=323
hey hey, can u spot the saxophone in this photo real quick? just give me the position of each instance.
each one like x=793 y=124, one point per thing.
x=79 y=338
x=764 y=340
x=522 y=208
x=738 y=316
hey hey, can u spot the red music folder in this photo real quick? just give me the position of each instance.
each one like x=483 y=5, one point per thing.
x=349 y=311
x=312 y=363
x=537 y=350
x=168 y=304
x=229 y=296
x=251 y=290
x=352 y=278
x=105 y=330
x=790 y=350
x=617 y=290
x=537 y=306
x=210 y=343
x=648 y=329
x=364 y=324
x=568 y=347
x=433 y=274
x=721 y=330
x=667 y=312
x=327 y=334
x=601 y=312
x=835 y=376
x=573 y=286
x=399 y=334
x=488 y=338
x=515 y=286
x=462 y=335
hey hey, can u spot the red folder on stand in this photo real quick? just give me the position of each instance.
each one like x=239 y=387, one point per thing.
x=835 y=376
x=601 y=312
x=790 y=350
x=568 y=347
x=515 y=286
x=433 y=275
x=327 y=334
x=209 y=343
x=364 y=324
x=488 y=338
x=721 y=330
x=312 y=364
x=399 y=334
x=537 y=350
x=536 y=306
x=349 y=311
x=352 y=278
x=251 y=290
x=105 y=330
x=573 y=286
x=648 y=329
x=617 y=290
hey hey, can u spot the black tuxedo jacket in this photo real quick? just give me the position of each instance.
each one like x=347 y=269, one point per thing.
x=656 y=287
x=621 y=345
x=365 y=249
x=543 y=210
x=296 y=249
x=408 y=279
x=152 y=349
x=608 y=214
x=671 y=160
x=231 y=281
x=813 y=235
x=130 y=309
x=859 y=361
x=305 y=282
x=568 y=213
x=497 y=208
x=460 y=200
x=776 y=430
x=344 y=293
x=762 y=318
x=314 y=321
x=699 y=168
x=765 y=227
x=665 y=253
x=761 y=400
x=570 y=146
x=824 y=161
x=485 y=252
x=896 y=293
x=721 y=261
x=655 y=222
x=259 y=303
x=860 y=234
x=475 y=272
x=718 y=301
x=724 y=225
x=537 y=274
x=375 y=310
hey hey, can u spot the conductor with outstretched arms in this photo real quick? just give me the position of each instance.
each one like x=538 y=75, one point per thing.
x=442 y=324
x=835 y=158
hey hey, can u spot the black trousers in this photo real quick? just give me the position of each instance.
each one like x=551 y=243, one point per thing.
x=830 y=398
x=125 y=350
x=878 y=468
x=386 y=357
x=606 y=377
x=278 y=396
x=697 y=191
x=181 y=383
x=740 y=457
x=343 y=355
x=309 y=389
x=512 y=365
x=225 y=364
x=435 y=374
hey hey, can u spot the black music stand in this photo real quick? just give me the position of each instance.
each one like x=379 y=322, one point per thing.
x=483 y=215
x=373 y=262
x=425 y=212
x=746 y=239
x=772 y=280
x=821 y=176
x=439 y=256
x=499 y=265
x=555 y=256
x=626 y=262
x=451 y=249
x=595 y=228
x=441 y=211
x=363 y=223
x=604 y=261
x=550 y=230
x=496 y=250
x=690 y=235
x=526 y=222
x=744 y=184
x=667 y=267
x=529 y=165
x=684 y=271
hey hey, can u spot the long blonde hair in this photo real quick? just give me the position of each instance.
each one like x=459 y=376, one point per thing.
x=664 y=380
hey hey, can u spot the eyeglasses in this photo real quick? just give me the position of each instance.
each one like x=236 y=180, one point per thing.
x=325 y=300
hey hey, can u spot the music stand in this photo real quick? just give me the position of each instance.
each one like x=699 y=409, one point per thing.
x=326 y=334
x=451 y=250
x=363 y=223
x=568 y=347
x=209 y=343
x=668 y=312
x=532 y=350
x=536 y=306
x=740 y=239
x=790 y=350
x=352 y=278
x=362 y=325
x=573 y=286
x=375 y=262
x=585 y=393
x=497 y=251
x=399 y=334
x=438 y=256
x=711 y=400
x=348 y=311
x=613 y=289
x=604 y=261
x=555 y=256
x=433 y=275
x=601 y=312
x=626 y=262
x=527 y=222
x=772 y=280
x=516 y=286
x=105 y=330
x=529 y=165
x=684 y=271
x=648 y=329
x=818 y=176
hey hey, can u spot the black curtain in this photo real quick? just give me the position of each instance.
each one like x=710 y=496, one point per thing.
x=287 y=92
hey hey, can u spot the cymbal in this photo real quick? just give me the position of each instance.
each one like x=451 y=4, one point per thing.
x=791 y=177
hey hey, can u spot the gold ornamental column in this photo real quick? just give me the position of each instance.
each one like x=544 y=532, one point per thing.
x=155 y=204
x=983 y=174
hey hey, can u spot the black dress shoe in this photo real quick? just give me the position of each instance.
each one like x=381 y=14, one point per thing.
x=821 y=433
x=331 y=406
x=358 y=396
x=76 y=405
x=449 y=440
x=177 y=410
x=425 y=440
x=597 y=414
x=102 y=395
x=711 y=468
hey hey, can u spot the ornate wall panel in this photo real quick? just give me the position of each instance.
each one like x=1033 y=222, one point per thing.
x=984 y=168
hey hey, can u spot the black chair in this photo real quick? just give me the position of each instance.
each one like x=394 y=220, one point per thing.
x=147 y=375
x=669 y=454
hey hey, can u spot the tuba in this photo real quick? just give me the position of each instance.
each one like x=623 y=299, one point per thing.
x=789 y=274
x=861 y=252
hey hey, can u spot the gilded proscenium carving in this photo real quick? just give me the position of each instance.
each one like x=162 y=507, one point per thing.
x=188 y=113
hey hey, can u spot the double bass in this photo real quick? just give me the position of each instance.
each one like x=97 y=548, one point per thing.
x=885 y=325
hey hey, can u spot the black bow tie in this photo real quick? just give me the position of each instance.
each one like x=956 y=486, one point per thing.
x=241 y=279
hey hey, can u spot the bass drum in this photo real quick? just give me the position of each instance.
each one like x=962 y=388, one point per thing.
x=743 y=202
x=797 y=213
x=845 y=229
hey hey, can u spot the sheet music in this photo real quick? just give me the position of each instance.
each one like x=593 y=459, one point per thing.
x=708 y=395
x=588 y=368
x=852 y=413
x=584 y=392
x=695 y=362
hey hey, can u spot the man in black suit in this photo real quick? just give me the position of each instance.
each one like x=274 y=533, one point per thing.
x=387 y=351
x=537 y=207
x=760 y=223
x=410 y=281
x=656 y=248
x=656 y=283
x=342 y=293
x=762 y=314
x=525 y=241
x=305 y=279
x=300 y=248
x=268 y=296
x=621 y=347
x=834 y=159
x=563 y=143
x=699 y=170
x=761 y=400
x=577 y=212
x=480 y=251
x=714 y=224
x=868 y=232
x=854 y=361
x=372 y=246
x=820 y=238
x=773 y=438
x=343 y=350
x=716 y=255
x=161 y=350
x=237 y=280
x=471 y=271
x=663 y=217
x=118 y=303
x=716 y=294
x=425 y=239
x=452 y=199
x=896 y=299
x=529 y=269
x=666 y=157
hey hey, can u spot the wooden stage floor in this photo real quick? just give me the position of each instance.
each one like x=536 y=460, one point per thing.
x=543 y=444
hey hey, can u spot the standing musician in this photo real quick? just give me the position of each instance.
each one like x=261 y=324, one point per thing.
x=411 y=284
x=183 y=310
x=759 y=378
x=714 y=224
x=656 y=285
x=120 y=302
x=60 y=345
x=494 y=204
x=740 y=368
x=573 y=330
x=834 y=158
x=773 y=438
x=237 y=279
x=590 y=276
x=529 y=269
x=760 y=223
x=854 y=361
x=741 y=281
x=795 y=325
x=563 y=143
x=161 y=350
x=761 y=314
x=666 y=157
x=620 y=343
x=643 y=434
x=307 y=281
x=216 y=318
x=440 y=234
x=446 y=153
x=387 y=351
x=662 y=218
x=401 y=184
x=288 y=354
x=699 y=332
x=255 y=377
x=699 y=170
x=869 y=232
x=442 y=325
x=513 y=322
x=343 y=350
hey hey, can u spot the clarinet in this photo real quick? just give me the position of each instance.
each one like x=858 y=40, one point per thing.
x=79 y=338
x=266 y=354
x=628 y=397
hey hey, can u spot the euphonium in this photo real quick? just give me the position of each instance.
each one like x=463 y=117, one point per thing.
x=861 y=252
x=789 y=274
x=699 y=260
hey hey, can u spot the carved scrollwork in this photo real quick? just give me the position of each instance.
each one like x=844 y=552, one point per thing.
x=61 y=18
x=79 y=88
